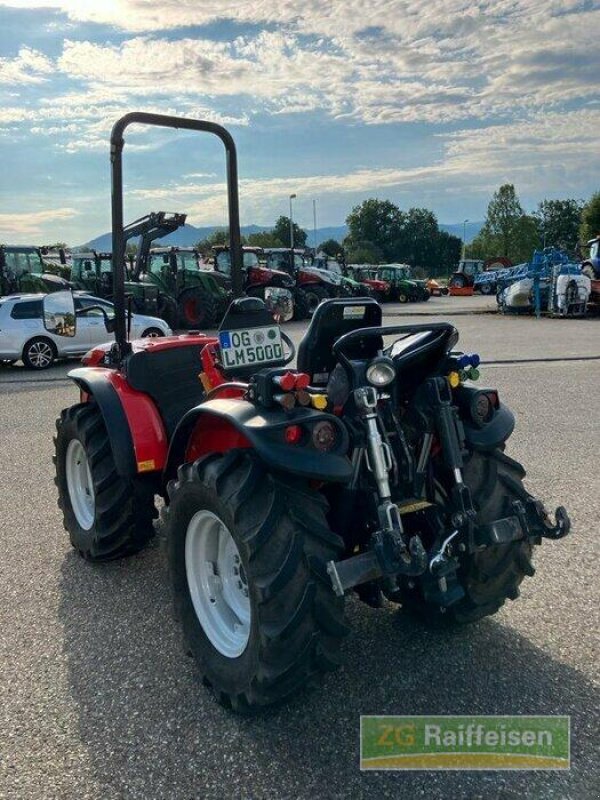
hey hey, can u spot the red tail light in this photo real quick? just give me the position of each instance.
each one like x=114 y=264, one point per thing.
x=293 y=434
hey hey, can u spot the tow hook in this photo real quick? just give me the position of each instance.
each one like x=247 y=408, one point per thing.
x=548 y=530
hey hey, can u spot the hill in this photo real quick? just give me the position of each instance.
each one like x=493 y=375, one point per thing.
x=189 y=235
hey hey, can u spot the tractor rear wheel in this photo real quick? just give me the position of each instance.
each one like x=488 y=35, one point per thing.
x=248 y=554
x=107 y=516
x=197 y=309
x=490 y=576
x=458 y=281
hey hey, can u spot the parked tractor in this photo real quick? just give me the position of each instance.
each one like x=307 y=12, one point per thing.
x=403 y=287
x=273 y=286
x=348 y=287
x=373 y=469
x=22 y=270
x=312 y=285
x=381 y=289
x=591 y=265
x=469 y=268
x=196 y=297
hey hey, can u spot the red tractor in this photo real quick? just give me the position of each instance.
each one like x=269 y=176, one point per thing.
x=367 y=468
x=273 y=286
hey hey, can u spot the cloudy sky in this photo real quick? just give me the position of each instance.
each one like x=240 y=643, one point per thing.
x=426 y=102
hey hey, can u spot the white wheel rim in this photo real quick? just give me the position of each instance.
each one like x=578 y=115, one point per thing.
x=153 y=333
x=80 y=484
x=40 y=354
x=217 y=583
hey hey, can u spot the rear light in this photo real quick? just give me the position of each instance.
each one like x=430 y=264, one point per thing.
x=293 y=434
x=483 y=407
x=323 y=436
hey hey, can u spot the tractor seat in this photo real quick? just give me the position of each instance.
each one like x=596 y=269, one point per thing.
x=331 y=320
x=171 y=379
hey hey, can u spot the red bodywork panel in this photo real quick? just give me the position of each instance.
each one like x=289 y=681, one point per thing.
x=377 y=285
x=93 y=357
x=147 y=430
x=307 y=277
x=213 y=435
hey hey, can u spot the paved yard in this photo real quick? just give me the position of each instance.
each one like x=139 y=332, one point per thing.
x=98 y=699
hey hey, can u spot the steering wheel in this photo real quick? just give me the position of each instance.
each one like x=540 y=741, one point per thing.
x=291 y=347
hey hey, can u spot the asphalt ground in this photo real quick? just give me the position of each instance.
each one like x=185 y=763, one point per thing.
x=98 y=699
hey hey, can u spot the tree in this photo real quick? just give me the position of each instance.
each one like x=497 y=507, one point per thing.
x=217 y=237
x=590 y=219
x=378 y=222
x=558 y=223
x=330 y=246
x=281 y=231
x=362 y=252
x=508 y=231
x=264 y=239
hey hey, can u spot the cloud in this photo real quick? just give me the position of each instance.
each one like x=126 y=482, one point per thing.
x=28 y=67
x=548 y=153
x=13 y=226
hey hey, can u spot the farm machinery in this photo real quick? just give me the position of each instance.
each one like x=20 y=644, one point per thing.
x=368 y=468
x=195 y=297
x=93 y=271
x=550 y=283
x=470 y=270
x=312 y=285
x=369 y=276
x=22 y=269
x=403 y=287
x=273 y=286
x=348 y=287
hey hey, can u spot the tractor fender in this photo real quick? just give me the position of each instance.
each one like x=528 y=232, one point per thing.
x=218 y=426
x=136 y=432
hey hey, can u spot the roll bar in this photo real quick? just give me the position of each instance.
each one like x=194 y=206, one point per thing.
x=117 y=143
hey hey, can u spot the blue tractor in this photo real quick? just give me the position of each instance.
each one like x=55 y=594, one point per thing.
x=591 y=265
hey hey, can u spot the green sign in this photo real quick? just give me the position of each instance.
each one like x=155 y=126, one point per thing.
x=465 y=742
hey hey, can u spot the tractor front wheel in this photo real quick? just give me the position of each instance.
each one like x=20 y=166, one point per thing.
x=107 y=516
x=248 y=553
x=314 y=295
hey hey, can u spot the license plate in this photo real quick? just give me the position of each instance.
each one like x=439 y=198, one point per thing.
x=252 y=347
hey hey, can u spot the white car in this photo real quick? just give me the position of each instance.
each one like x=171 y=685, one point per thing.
x=23 y=336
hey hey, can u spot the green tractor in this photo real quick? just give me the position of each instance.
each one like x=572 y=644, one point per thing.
x=404 y=287
x=197 y=298
x=93 y=271
x=22 y=270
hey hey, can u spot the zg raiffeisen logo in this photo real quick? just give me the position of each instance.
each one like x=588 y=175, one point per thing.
x=464 y=742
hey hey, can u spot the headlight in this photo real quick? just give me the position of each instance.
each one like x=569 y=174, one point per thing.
x=381 y=371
